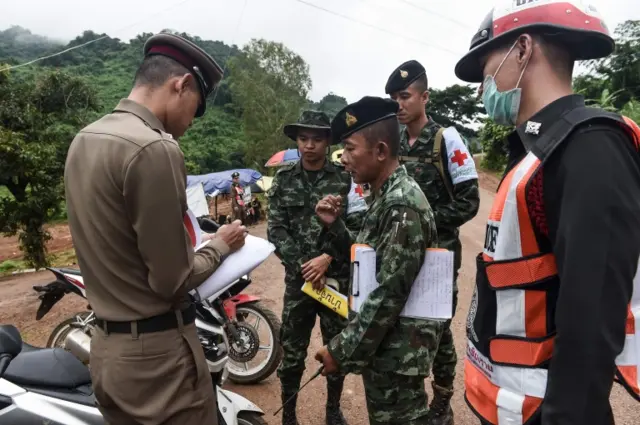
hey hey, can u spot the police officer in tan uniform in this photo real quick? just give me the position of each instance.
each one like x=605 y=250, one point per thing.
x=125 y=182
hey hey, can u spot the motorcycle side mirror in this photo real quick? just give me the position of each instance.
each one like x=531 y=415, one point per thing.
x=10 y=341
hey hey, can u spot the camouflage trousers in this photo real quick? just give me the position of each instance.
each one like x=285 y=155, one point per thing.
x=444 y=363
x=395 y=399
x=299 y=314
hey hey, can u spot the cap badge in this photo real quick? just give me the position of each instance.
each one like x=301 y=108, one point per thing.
x=403 y=73
x=350 y=119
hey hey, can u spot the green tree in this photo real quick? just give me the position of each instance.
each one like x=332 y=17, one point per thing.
x=269 y=84
x=38 y=119
x=330 y=104
x=493 y=138
x=456 y=105
x=632 y=110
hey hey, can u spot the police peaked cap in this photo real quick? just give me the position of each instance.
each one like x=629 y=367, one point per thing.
x=199 y=63
x=573 y=23
x=357 y=116
x=403 y=76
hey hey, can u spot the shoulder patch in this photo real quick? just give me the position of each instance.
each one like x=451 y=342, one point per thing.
x=459 y=161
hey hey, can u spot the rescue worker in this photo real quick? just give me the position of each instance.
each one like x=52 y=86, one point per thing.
x=294 y=229
x=439 y=161
x=556 y=293
x=394 y=354
x=125 y=185
x=237 y=198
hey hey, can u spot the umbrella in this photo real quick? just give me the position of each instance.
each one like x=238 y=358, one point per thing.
x=283 y=158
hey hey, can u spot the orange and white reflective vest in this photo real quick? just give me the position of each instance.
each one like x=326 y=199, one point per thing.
x=510 y=333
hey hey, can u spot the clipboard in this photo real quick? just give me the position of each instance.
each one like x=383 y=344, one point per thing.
x=431 y=294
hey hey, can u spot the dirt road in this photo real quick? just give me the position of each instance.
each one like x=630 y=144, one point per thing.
x=18 y=304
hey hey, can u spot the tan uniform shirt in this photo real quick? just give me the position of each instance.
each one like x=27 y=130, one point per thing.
x=125 y=184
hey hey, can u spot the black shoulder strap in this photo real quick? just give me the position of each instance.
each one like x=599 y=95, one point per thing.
x=551 y=139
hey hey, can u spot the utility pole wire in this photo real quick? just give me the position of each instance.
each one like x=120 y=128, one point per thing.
x=444 y=49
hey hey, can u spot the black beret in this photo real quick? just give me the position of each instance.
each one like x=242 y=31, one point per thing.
x=356 y=116
x=204 y=68
x=403 y=76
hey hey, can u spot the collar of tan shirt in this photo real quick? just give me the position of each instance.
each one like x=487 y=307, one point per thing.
x=128 y=105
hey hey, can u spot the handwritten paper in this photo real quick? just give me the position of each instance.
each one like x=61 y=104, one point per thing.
x=254 y=252
x=236 y=265
x=431 y=295
x=432 y=292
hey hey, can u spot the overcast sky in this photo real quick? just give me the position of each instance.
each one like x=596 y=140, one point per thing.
x=345 y=57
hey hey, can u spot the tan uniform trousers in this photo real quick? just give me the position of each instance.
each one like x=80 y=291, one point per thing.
x=158 y=378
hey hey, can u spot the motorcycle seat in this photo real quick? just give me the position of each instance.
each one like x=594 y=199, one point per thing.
x=28 y=347
x=74 y=272
x=47 y=367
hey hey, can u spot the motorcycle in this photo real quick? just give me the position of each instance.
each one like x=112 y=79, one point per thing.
x=52 y=386
x=228 y=307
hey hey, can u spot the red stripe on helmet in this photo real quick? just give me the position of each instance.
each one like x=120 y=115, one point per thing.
x=559 y=14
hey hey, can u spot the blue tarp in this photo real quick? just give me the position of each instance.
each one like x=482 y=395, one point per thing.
x=222 y=181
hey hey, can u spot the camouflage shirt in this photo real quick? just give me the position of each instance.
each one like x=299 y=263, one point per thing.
x=377 y=337
x=292 y=224
x=459 y=168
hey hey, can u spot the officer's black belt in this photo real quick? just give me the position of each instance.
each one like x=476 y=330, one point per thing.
x=158 y=323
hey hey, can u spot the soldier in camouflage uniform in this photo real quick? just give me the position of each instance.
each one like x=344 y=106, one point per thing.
x=294 y=228
x=440 y=163
x=394 y=354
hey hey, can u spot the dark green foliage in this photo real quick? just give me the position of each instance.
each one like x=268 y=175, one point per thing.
x=331 y=104
x=38 y=120
x=494 y=145
x=456 y=105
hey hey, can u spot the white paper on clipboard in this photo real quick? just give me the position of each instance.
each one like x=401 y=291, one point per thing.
x=431 y=295
x=254 y=252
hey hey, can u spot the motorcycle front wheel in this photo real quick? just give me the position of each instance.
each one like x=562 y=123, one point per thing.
x=257 y=352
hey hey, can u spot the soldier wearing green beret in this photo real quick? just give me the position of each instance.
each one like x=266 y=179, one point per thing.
x=392 y=352
x=439 y=161
x=125 y=188
x=294 y=229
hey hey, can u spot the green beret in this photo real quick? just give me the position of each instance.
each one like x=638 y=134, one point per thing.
x=403 y=76
x=201 y=65
x=356 y=116
x=314 y=120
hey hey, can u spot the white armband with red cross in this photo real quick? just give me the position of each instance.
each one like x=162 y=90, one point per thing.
x=460 y=162
x=356 y=200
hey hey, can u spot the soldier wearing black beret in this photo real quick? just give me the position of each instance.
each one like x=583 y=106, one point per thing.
x=393 y=353
x=125 y=183
x=439 y=161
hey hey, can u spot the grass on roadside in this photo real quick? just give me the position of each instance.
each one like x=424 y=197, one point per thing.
x=59 y=259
